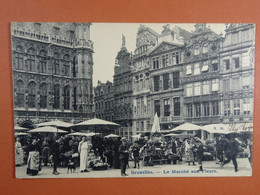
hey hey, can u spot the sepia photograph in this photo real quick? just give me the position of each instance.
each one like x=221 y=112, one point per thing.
x=127 y=100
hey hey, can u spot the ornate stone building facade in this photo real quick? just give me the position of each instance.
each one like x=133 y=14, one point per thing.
x=145 y=41
x=123 y=92
x=52 y=72
x=104 y=101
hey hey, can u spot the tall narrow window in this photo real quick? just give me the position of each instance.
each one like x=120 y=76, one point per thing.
x=176 y=80
x=197 y=90
x=205 y=67
x=156 y=63
x=165 y=81
x=66 y=65
x=166 y=107
x=236 y=84
x=20 y=94
x=246 y=106
x=197 y=109
x=75 y=98
x=205 y=48
x=66 y=98
x=56 y=66
x=236 y=62
x=236 y=106
x=156 y=80
x=19 y=58
x=226 y=85
x=188 y=70
x=196 y=68
x=42 y=61
x=177 y=106
x=246 y=82
x=74 y=67
x=205 y=87
x=176 y=58
x=206 y=109
x=189 y=110
x=43 y=95
x=226 y=107
x=196 y=50
x=31 y=60
x=32 y=95
x=157 y=107
x=189 y=90
x=163 y=61
x=215 y=109
x=227 y=64
x=56 y=104
x=215 y=85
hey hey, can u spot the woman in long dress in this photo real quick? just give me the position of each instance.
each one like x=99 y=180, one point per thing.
x=189 y=152
x=18 y=152
x=33 y=162
x=83 y=151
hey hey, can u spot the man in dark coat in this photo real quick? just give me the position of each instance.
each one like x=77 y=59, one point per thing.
x=55 y=150
x=231 y=152
x=199 y=153
x=123 y=156
x=135 y=150
x=221 y=143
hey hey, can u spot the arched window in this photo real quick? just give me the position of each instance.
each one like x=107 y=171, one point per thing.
x=18 y=58
x=196 y=50
x=66 y=65
x=32 y=95
x=42 y=61
x=66 y=98
x=205 y=48
x=43 y=95
x=56 y=66
x=20 y=94
x=31 y=60
x=56 y=104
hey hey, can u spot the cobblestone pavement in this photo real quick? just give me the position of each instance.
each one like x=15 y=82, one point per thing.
x=211 y=169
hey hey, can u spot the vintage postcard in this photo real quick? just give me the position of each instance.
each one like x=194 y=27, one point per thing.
x=96 y=100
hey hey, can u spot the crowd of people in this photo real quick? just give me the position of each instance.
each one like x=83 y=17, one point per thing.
x=99 y=152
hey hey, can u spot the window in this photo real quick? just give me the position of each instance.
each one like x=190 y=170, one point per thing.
x=197 y=88
x=226 y=85
x=226 y=107
x=32 y=95
x=214 y=66
x=157 y=107
x=196 y=50
x=156 y=83
x=31 y=60
x=206 y=109
x=215 y=109
x=205 y=48
x=205 y=87
x=236 y=84
x=189 y=90
x=37 y=26
x=236 y=62
x=56 y=66
x=177 y=106
x=66 y=65
x=176 y=80
x=205 y=67
x=246 y=106
x=137 y=126
x=155 y=63
x=42 y=61
x=55 y=31
x=66 y=98
x=165 y=81
x=43 y=95
x=227 y=64
x=188 y=69
x=20 y=94
x=196 y=69
x=215 y=85
x=18 y=58
x=236 y=106
x=166 y=107
x=75 y=98
x=189 y=110
x=176 y=58
x=56 y=104
x=246 y=82
x=164 y=60
x=197 y=109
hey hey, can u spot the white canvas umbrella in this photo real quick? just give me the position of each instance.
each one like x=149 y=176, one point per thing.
x=47 y=129
x=216 y=128
x=187 y=127
x=111 y=135
x=156 y=124
x=55 y=123
x=21 y=133
x=95 y=125
x=18 y=128
x=83 y=134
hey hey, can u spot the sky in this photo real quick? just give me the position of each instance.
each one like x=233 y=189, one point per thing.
x=107 y=38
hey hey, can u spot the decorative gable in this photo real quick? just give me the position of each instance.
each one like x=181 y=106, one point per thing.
x=163 y=47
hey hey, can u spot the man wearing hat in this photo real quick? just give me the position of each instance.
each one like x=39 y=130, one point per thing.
x=123 y=156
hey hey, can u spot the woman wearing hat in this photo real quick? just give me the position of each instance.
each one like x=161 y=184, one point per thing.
x=83 y=151
x=123 y=156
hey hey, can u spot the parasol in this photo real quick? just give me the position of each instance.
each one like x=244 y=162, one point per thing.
x=83 y=134
x=47 y=129
x=18 y=128
x=19 y=134
x=216 y=128
x=186 y=127
x=55 y=123
x=95 y=125
x=111 y=135
x=156 y=124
